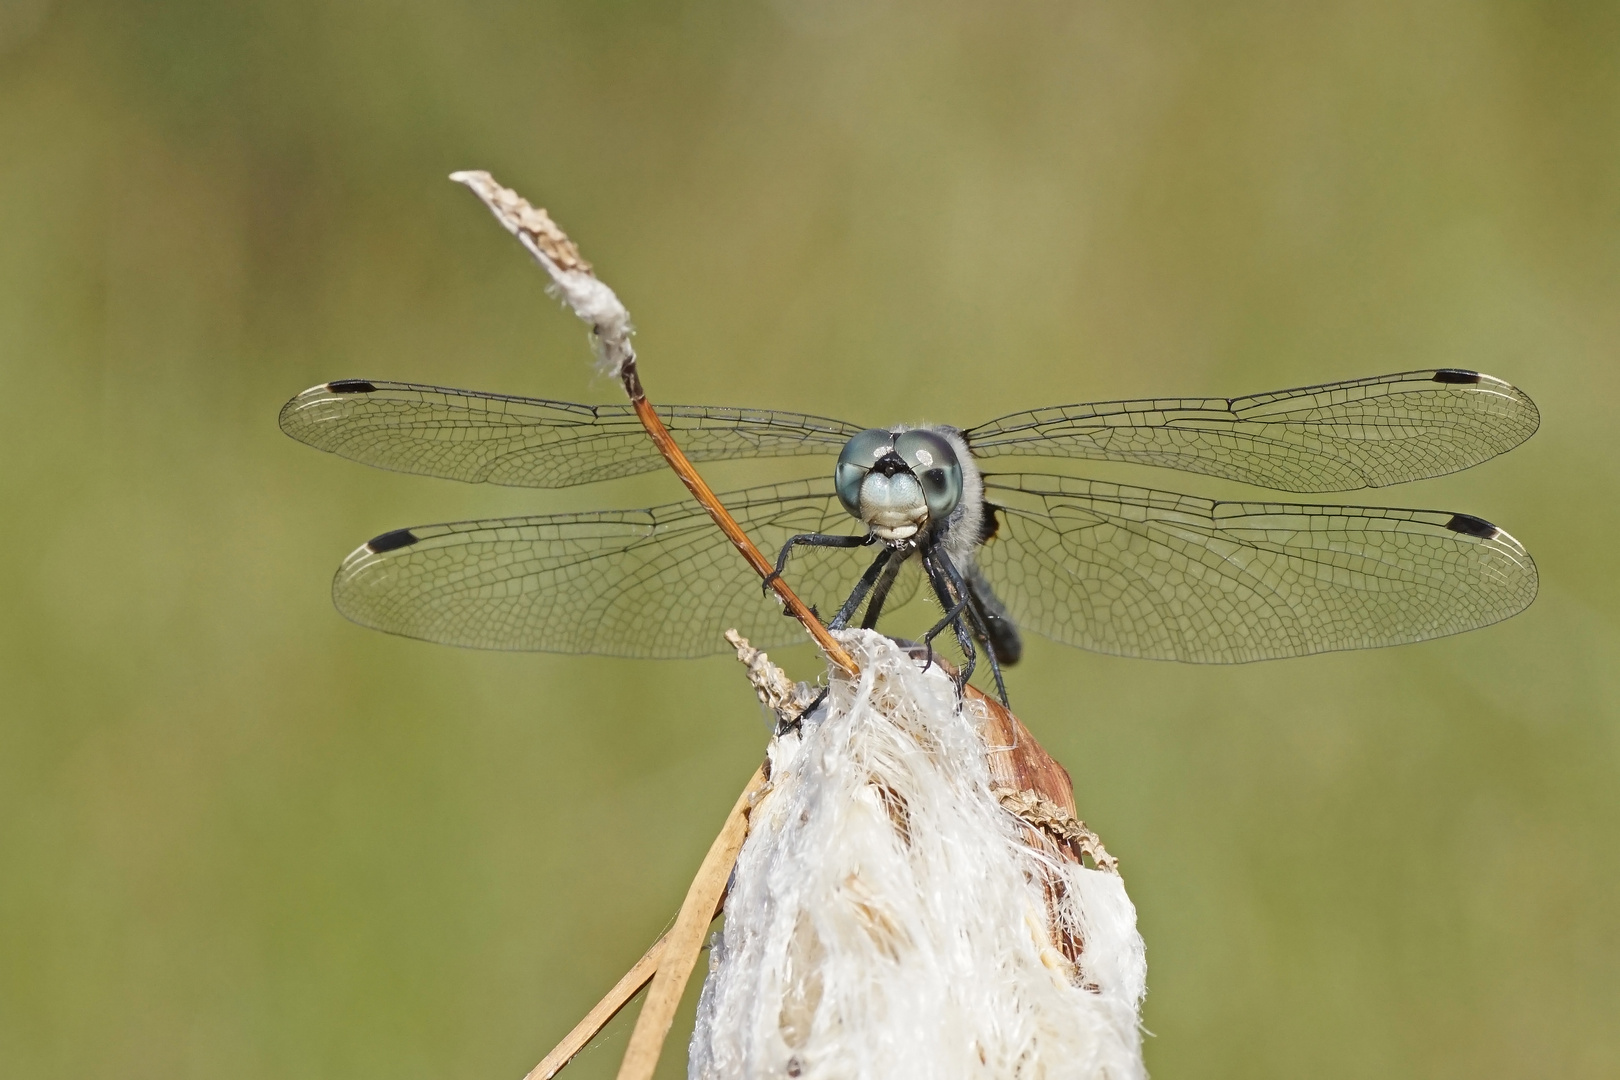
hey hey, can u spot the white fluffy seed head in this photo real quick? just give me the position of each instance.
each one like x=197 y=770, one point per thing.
x=885 y=919
x=572 y=280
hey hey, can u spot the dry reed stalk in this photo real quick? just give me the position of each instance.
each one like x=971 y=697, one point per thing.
x=591 y=300
x=639 y=975
x=685 y=938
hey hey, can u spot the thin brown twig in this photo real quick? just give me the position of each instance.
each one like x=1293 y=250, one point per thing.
x=595 y=303
x=590 y=299
x=629 y=985
x=685 y=939
x=728 y=524
x=639 y=975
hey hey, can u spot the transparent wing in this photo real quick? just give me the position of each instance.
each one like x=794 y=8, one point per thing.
x=662 y=582
x=1337 y=437
x=1150 y=573
x=530 y=442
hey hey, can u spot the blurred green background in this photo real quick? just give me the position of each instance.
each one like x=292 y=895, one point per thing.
x=242 y=837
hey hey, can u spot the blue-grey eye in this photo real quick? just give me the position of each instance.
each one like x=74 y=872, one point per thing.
x=934 y=464
x=859 y=454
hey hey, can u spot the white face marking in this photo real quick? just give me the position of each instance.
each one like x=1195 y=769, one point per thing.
x=893 y=506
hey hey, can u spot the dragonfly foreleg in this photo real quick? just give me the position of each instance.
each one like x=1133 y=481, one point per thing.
x=833 y=540
x=797 y=723
x=981 y=621
x=862 y=587
x=880 y=594
x=954 y=607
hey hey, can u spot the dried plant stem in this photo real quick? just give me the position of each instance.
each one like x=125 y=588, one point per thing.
x=706 y=894
x=576 y=284
x=705 y=495
x=604 y=1011
x=722 y=853
x=590 y=299
x=685 y=939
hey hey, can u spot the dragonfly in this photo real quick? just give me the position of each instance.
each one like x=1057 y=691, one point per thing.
x=1117 y=569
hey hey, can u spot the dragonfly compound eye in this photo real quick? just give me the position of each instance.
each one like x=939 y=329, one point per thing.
x=934 y=464
x=857 y=459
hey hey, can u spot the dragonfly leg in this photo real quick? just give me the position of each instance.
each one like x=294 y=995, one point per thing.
x=880 y=594
x=834 y=540
x=948 y=622
x=981 y=622
x=953 y=617
x=797 y=723
x=862 y=587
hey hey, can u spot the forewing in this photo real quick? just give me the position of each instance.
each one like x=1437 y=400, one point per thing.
x=531 y=442
x=1154 y=574
x=662 y=582
x=1337 y=437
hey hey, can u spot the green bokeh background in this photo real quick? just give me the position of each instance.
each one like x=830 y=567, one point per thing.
x=241 y=837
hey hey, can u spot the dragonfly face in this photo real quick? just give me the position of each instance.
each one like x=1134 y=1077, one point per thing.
x=899 y=482
x=1119 y=569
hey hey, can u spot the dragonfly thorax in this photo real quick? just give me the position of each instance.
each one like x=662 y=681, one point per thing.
x=898 y=482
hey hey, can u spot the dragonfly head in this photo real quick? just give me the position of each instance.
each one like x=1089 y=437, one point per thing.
x=899 y=481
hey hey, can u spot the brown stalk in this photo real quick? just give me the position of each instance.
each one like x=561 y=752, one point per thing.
x=670 y=961
x=701 y=896
x=576 y=283
x=684 y=941
x=705 y=495
x=639 y=975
